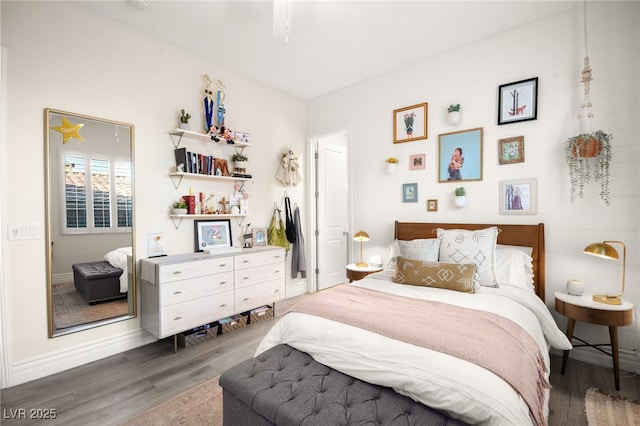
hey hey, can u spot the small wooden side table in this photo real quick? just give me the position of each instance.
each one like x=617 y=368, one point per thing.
x=355 y=273
x=584 y=308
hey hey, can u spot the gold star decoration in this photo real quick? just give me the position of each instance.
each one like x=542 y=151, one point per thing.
x=69 y=130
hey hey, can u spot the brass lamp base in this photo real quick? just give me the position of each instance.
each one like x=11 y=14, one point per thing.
x=610 y=300
x=362 y=264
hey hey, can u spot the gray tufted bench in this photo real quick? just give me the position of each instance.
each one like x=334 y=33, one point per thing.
x=286 y=387
x=97 y=281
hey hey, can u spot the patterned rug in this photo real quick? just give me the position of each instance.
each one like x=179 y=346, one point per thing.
x=607 y=410
x=69 y=308
x=200 y=405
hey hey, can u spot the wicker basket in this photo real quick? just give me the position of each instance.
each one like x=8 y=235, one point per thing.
x=258 y=315
x=238 y=321
x=188 y=339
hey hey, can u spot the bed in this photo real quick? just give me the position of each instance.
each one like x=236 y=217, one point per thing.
x=433 y=344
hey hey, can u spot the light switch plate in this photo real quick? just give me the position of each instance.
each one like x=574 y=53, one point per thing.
x=24 y=231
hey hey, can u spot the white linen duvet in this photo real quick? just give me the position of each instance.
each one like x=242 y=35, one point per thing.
x=459 y=388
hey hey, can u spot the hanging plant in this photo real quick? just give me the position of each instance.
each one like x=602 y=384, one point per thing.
x=589 y=155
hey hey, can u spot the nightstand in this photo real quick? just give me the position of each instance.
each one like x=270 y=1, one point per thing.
x=355 y=273
x=583 y=308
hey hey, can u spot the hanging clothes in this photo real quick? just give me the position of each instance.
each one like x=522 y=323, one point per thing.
x=298 y=258
x=291 y=231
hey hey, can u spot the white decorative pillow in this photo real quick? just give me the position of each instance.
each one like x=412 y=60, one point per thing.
x=466 y=246
x=426 y=250
x=514 y=267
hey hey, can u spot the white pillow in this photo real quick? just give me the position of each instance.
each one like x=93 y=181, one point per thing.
x=466 y=246
x=525 y=249
x=426 y=250
x=514 y=267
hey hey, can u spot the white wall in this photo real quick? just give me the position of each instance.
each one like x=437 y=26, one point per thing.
x=552 y=50
x=64 y=57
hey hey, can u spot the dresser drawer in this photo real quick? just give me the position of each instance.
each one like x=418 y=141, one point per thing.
x=258 y=258
x=259 y=274
x=193 y=313
x=195 y=268
x=257 y=295
x=183 y=290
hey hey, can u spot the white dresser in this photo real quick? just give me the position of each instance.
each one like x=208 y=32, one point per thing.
x=185 y=291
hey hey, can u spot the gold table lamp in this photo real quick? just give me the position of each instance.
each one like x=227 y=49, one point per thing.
x=606 y=251
x=361 y=236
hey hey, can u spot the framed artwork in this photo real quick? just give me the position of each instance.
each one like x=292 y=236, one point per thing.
x=259 y=236
x=410 y=123
x=511 y=150
x=410 y=193
x=417 y=161
x=155 y=244
x=518 y=196
x=432 y=205
x=212 y=234
x=518 y=101
x=460 y=155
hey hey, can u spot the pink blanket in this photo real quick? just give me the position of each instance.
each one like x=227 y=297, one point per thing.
x=486 y=339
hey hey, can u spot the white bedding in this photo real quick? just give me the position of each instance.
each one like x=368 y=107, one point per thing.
x=459 y=388
x=120 y=259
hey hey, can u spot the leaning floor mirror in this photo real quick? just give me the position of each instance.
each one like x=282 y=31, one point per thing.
x=90 y=224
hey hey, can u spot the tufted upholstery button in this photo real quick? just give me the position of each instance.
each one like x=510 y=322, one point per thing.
x=287 y=387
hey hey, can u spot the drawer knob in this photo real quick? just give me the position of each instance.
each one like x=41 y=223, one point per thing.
x=177 y=318
x=223 y=282
x=245 y=261
x=245 y=299
x=223 y=305
x=223 y=264
x=177 y=272
x=177 y=292
x=277 y=291
x=245 y=278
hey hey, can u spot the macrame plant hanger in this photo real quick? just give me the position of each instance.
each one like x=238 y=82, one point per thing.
x=586 y=76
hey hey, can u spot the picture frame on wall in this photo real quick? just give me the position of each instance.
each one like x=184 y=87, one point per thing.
x=511 y=150
x=460 y=155
x=259 y=236
x=518 y=101
x=410 y=123
x=410 y=193
x=417 y=161
x=212 y=234
x=518 y=197
x=432 y=205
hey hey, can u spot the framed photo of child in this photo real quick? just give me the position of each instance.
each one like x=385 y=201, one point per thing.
x=460 y=155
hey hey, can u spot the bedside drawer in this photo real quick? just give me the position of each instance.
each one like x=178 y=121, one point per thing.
x=183 y=316
x=249 y=260
x=193 y=269
x=258 y=274
x=183 y=290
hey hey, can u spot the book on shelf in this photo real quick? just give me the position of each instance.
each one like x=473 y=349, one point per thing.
x=181 y=159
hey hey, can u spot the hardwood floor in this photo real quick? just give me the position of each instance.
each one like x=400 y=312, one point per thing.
x=111 y=390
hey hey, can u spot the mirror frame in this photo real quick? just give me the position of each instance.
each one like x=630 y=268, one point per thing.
x=132 y=289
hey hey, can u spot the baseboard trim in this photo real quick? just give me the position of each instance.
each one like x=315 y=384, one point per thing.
x=628 y=358
x=54 y=362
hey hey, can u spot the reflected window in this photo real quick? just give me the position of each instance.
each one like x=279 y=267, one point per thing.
x=108 y=198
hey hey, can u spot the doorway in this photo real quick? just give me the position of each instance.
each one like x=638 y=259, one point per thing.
x=331 y=209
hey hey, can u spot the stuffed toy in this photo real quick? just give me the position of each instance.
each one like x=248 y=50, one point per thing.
x=289 y=170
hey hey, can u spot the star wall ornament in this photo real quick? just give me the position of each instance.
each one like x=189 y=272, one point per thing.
x=69 y=130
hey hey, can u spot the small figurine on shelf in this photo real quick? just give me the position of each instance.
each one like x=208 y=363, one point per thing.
x=213 y=132
x=220 y=99
x=208 y=102
x=223 y=206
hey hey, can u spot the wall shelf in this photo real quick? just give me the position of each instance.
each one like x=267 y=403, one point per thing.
x=177 y=134
x=176 y=178
x=177 y=218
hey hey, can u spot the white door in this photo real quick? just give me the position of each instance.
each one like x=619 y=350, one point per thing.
x=332 y=210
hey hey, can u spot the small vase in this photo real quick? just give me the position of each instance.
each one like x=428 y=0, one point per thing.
x=184 y=126
x=454 y=117
x=179 y=211
x=460 y=201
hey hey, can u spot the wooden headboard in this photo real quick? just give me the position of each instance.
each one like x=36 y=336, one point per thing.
x=517 y=235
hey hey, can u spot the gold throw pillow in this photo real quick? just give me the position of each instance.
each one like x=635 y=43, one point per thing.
x=451 y=276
